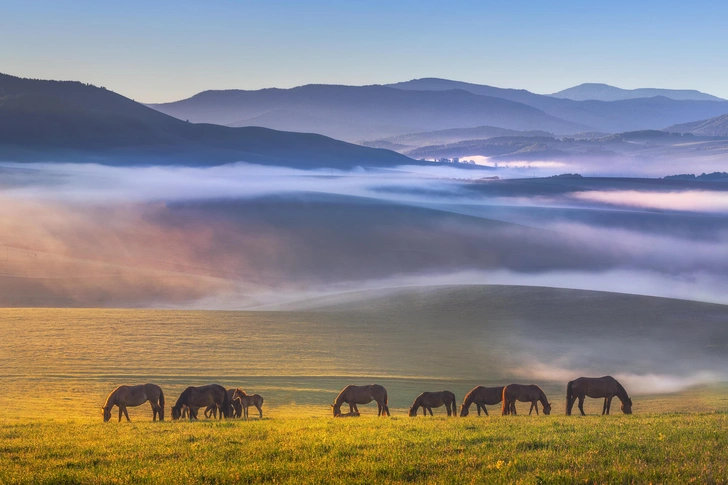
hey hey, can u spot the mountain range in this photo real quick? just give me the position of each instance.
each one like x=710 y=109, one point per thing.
x=71 y=121
x=357 y=113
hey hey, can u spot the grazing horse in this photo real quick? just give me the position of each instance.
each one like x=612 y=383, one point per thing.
x=246 y=400
x=353 y=395
x=520 y=392
x=429 y=400
x=596 y=387
x=481 y=396
x=203 y=396
x=236 y=411
x=124 y=396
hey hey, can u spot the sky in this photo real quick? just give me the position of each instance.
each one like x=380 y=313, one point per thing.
x=157 y=51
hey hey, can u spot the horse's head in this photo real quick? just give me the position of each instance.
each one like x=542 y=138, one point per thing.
x=546 y=408
x=464 y=410
x=627 y=406
x=107 y=413
x=413 y=411
x=176 y=412
x=337 y=409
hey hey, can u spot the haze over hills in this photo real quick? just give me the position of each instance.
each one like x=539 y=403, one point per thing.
x=605 y=92
x=717 y=126
x=54 y=120
x=357 y=113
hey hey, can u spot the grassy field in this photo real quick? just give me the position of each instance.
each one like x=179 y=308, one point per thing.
x=650 y=448
x=59 y=365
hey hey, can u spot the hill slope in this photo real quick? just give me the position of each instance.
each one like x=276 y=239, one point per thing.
x=605 y=92
x=53 y=120
x=717 y=126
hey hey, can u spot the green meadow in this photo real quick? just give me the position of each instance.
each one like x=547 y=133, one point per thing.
x=60 y=364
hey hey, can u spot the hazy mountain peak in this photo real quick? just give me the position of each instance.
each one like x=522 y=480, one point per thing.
x=605 y=92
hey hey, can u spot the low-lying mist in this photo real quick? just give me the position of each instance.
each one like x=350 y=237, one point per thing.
x=239 y=236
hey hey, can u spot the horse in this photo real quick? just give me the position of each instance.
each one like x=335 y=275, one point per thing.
x=203 y=396
x=481 y=396
x=353 y=395
x=246 y=400
x=596 y=387
x=236 y=411
x=124 y=396
x=520 y=392
x=429 y=400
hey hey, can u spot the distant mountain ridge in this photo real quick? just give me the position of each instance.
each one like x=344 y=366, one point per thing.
x=361 y=112
x=66 y=120
x=717 y=126
x=605 y=92
x=357 y=113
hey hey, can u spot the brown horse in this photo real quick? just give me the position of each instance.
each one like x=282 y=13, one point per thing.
x=481 y=396
x=124 y=396
x=520 y=392
x=429 y=400
x=596 y=387
x=353 y=395
x=246 y=400
x=236 y=409
x=203 y=396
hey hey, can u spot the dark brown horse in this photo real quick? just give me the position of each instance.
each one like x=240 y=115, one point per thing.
x=236 y=409
x=124 y=396
x=596 y=387
x=480 y=396
x=203 y=396
x=246 y=400
x=523 y=393
x=429 y=400
x=353 y=395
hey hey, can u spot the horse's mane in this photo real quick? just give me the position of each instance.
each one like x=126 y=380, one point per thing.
x=182 y=397
x=621 y=389
x=469 y=397
x=340 y=402
x=108 y=398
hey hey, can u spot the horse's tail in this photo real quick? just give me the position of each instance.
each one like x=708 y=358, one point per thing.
x=569 y=396
x=225 y=404
x=161 y=404
x=504 y=409
x=454 y=406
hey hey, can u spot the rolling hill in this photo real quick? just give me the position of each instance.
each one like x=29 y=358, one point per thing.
x=717 y=126
x=71 y=121
x=605 y=92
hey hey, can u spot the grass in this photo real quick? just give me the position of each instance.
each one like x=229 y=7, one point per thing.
x=666 y=448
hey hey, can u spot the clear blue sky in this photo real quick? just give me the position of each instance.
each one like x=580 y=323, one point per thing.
x=166 y=50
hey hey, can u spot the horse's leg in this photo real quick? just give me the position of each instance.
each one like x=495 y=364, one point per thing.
x=581 y=405
x=609 y=404
x=126 y=413
x=530 y=410
x=485 y=410
x=477 y=407
x=120 y=413
x=260 y=411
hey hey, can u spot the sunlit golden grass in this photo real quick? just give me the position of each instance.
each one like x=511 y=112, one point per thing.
x=666 y=448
